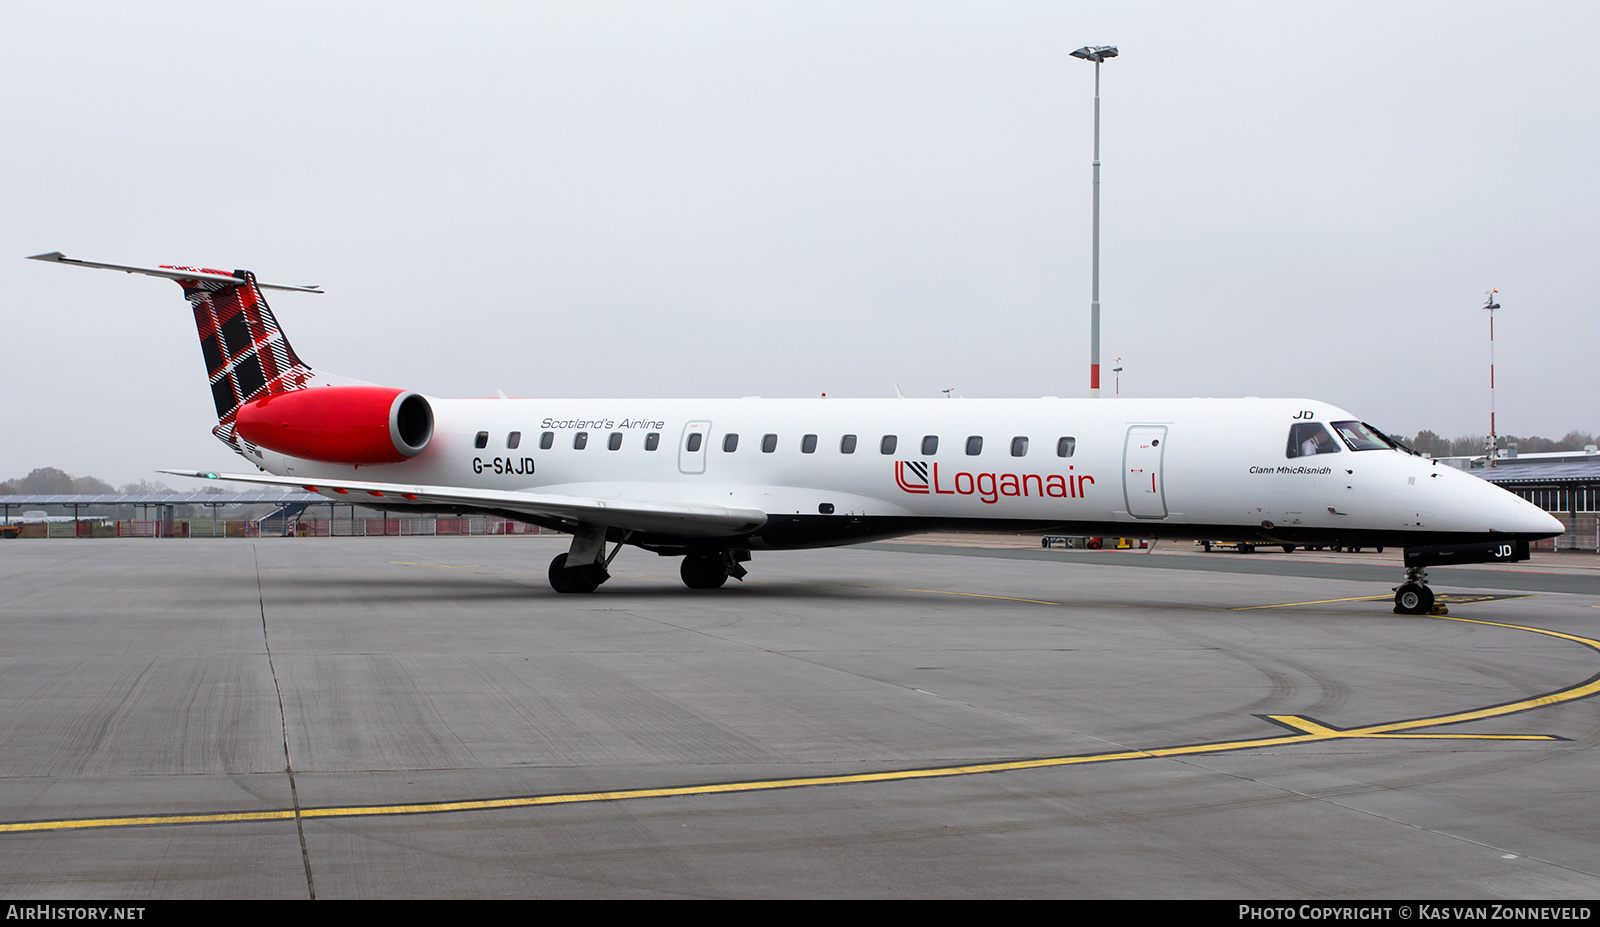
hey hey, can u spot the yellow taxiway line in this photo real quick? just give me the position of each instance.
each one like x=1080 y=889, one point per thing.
x=1306 y=731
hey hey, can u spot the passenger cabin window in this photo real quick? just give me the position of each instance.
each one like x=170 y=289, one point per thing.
x=1308 y=439
x=847 y=444
x=1019 y=447
x=693 y=443
x=482 y=440
x=1065 y=446
x=887 y=445
x=930 y=445
x=514 y=440
x=547 y=440
x=652 y=440
x=730 y=443
x=615 y=441
x=1362 y=437
x=769 y=443
x=974 y=445
x=808 y=444
x=580 y=440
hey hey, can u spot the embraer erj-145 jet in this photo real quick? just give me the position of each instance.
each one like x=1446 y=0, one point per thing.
x=712 y=480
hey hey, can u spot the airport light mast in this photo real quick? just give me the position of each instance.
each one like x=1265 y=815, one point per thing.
x=1491 y=306
x=1097 y=54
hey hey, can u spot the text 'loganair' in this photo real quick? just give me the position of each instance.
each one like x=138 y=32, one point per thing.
x=919 y=477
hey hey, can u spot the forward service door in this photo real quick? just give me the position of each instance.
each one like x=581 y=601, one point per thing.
x=1142 y=487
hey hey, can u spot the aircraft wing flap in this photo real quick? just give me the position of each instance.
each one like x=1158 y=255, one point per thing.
x=678 y=518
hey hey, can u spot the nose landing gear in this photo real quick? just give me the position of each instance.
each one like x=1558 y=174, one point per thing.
x=1413 y=597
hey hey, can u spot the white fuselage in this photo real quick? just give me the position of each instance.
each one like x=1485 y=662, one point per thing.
x=1141 y=467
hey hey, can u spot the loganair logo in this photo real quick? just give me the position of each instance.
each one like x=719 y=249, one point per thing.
x=921 y=478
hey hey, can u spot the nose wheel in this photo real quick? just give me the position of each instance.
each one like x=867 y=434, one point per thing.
x=1413 y=597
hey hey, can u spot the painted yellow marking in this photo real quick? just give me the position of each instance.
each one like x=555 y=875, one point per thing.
x=146 y=820
x=1311 y=727
x=1312 y=732
x=1304 y=724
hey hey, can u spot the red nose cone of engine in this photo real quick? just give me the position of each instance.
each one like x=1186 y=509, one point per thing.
x=339 y=424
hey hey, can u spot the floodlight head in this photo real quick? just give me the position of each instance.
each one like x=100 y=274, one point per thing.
x=1096 y=53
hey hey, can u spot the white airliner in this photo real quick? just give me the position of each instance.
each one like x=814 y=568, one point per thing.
x=712 y=480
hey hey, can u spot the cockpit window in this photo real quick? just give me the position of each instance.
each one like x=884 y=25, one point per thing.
x=1362 y=437
x=1307 y=439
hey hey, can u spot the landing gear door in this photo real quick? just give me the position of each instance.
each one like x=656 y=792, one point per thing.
x=1142 y=485
x=692 y=447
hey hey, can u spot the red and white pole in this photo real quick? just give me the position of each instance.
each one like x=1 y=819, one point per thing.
x=1491 y=305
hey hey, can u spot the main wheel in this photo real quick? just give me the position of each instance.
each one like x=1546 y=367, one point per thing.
x=585 y=578
x=1413 y=599
x=703 y=571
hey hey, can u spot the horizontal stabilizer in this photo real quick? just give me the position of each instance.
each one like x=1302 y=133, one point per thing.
x=172 y=273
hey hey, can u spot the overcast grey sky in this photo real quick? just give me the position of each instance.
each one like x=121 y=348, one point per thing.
x=727 y=199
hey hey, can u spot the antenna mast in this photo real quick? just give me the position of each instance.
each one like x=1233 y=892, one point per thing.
x=1491 y=306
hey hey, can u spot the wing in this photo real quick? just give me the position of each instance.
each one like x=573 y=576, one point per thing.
x=672 y=518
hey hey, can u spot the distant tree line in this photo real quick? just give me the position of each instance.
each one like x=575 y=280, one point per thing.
x=48 y=481
x=1427 y=442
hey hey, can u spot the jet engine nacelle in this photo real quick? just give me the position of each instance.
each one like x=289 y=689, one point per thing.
x=340 y=424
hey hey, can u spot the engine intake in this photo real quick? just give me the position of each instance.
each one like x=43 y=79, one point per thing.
x=340 y=424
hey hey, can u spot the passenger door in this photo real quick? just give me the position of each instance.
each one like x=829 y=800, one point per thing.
x=1142 y=455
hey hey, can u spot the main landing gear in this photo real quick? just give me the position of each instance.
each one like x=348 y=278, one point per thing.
x=584 y=567
x=585 y=578
x=711 y=570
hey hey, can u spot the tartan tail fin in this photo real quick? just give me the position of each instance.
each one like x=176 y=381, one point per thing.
x=247 y=355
